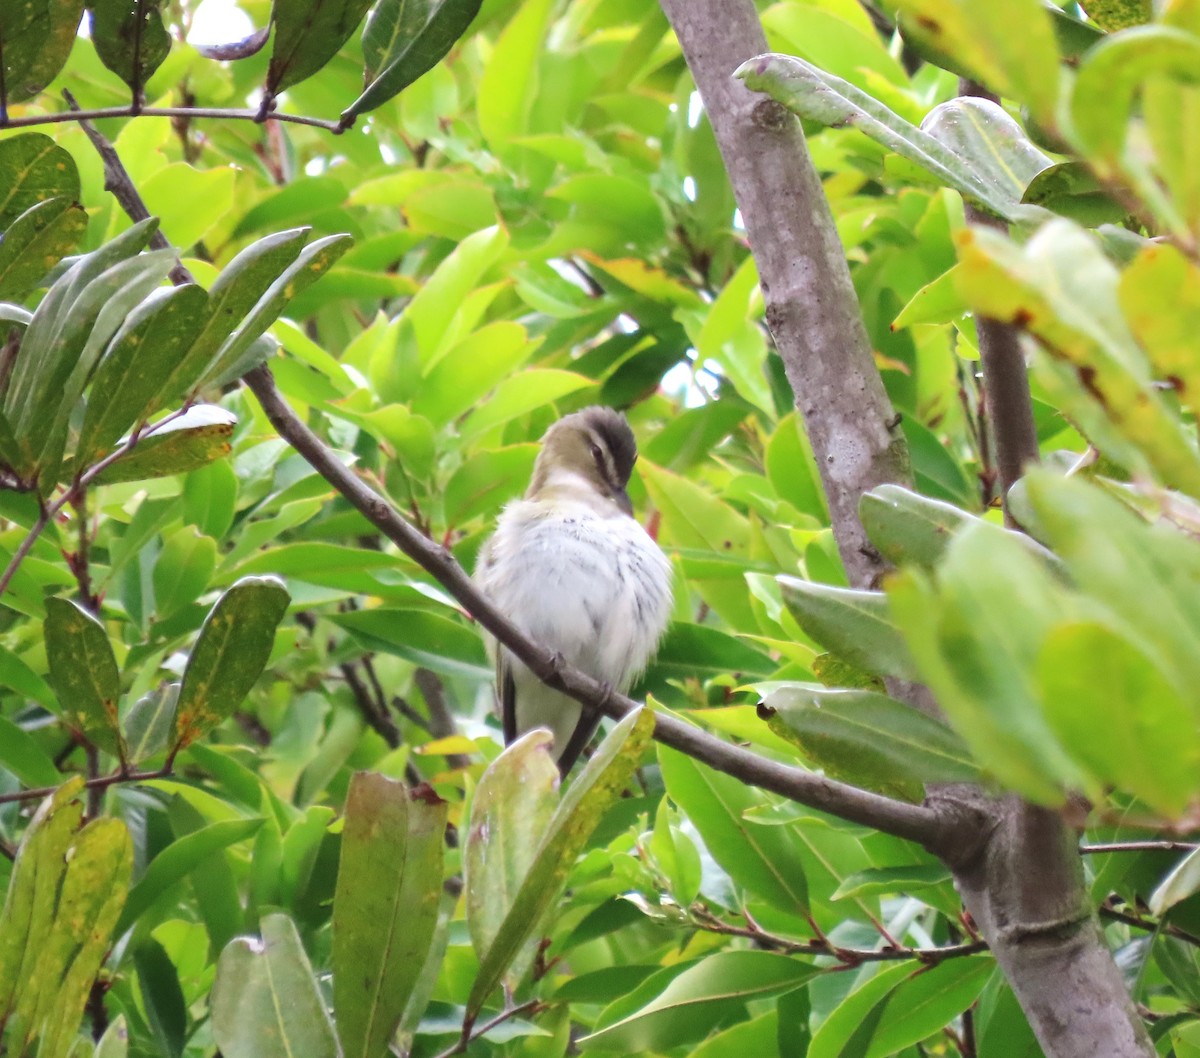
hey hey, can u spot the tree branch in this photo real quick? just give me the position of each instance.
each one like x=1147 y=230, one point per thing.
x=914 y=822
x=810 y=302
x=1006 y=395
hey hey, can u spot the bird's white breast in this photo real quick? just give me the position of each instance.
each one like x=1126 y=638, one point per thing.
x=596 y=589
x=593 y=587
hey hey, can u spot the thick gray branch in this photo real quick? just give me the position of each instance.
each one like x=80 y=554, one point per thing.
x=811 y=306
x=1020 y=875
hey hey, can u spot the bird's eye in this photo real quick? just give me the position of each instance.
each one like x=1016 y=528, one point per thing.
x=597 y=455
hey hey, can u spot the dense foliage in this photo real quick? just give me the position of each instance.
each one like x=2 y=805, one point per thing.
x=482 y=234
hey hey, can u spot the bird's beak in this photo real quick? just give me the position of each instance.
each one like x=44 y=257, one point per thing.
x=623 y=501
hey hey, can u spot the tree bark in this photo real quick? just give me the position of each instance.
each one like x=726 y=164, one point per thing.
x=1022 y=881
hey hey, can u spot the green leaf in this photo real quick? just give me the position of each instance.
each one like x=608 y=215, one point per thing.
x=818 y=96
x=150 y=722
x=510 y=813
x=855 y=625
x=1023 y=66
x=139 y=359
x=130 y=39
x=233 y=295
x=265 y=1002
x=510 y=80
x=36 y=240
x=33 y=168
x=1072 y=190
x=764 y=860
x=470 y=370
x=675 y=856
x=193 y=440
x=182 y=571
x=177 y=861
x=1121 y=716
x=989 y=142
x=23 y=32
x=24 y=758
x=921 y=1006
x=1062 y=289
x=28 y=907
x=521 y=393
x=486 y=481
x=976 y=640
x=16 y=675
x=308 y=33
x=67 y=336
x=421 y=637
x=229 y=656
x=166 y=1008
x=1160 y=299
x=210 y=498
x=699 y=999
x=1180 y=883
x=83 y=673
x=385 y=908
x=908 y=527
x=869 y=739
x=1103 y=95
x=881 y=881
x=230 y=361
x=700 y=650
x=402 y=40
x=51 y=50
x=587 y=799
x=98 y=864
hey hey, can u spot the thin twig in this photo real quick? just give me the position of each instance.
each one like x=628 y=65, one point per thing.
x=1151 y=925
x=704 y=920
x=1139 y=846
x=471 y=1034
x=219 y=113
x=101 y=782
x=118 y=181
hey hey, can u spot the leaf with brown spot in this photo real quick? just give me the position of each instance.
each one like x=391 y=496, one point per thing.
x=83 y=673
x=229 y=656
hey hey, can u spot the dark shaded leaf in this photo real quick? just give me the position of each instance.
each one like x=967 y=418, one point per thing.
x=35 y=241
x=24 y=25
x=229 y=655
x=83 y=673
x=402 y=40
x=140 y=357
x=33 y=168
x=130 y=38
x=51 y=51
x=308 y=33
x=385 y=907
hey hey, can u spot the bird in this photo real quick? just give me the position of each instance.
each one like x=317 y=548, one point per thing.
x=572 y=568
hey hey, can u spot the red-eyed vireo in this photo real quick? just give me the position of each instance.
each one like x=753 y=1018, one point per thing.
x=570 y=566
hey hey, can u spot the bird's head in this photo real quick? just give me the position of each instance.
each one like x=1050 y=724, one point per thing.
x=595 y=445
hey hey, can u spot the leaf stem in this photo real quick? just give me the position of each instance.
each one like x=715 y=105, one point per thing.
x=470 y=1034
x=100 y=782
